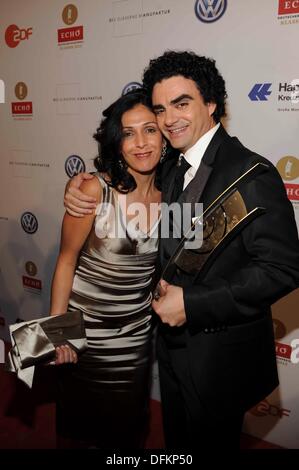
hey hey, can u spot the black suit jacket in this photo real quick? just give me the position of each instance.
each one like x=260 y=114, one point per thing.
x=229 y=332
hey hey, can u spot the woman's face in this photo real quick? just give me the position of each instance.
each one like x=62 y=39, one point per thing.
x=141 y=140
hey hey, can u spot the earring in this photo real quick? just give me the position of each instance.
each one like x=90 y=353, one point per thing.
x=121 y=164
x=163 y=151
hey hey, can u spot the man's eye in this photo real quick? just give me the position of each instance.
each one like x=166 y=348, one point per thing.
x=151 y=130
x=158 y=111
x=182 y=105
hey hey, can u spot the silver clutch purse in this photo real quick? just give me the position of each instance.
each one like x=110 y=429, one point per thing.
x=34 y=342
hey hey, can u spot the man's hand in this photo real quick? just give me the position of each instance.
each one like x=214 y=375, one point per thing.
x=65 y=355
x=75 y=201
x=170 y=306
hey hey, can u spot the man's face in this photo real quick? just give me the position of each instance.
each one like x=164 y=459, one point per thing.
x=182 y=115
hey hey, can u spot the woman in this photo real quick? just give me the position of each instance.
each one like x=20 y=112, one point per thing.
x=105 y=269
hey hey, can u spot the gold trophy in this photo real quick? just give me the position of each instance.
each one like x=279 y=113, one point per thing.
x=220 y=222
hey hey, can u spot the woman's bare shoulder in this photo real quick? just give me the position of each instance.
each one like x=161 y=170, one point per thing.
x=92 y=188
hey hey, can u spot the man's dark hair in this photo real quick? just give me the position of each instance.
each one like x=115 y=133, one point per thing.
x=109 y=137
x=200 y=69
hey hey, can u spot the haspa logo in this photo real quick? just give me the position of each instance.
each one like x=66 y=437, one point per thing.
x=29 y=222
x=264 y=408
x=25 y=108
x=209 y=11
x=30 y=282
x=288 y=7
x=74 y=165
x=73 y=34
x=14 y=35
x=131 y=86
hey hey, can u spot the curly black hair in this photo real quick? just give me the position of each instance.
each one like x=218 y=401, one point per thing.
x=109 y=138
x=200 y=69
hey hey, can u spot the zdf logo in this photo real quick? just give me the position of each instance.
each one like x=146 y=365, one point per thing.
x=14 y=34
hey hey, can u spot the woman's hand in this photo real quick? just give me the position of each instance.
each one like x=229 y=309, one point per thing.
x=65 y=355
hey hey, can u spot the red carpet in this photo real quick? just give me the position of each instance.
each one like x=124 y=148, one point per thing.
x=27 y=418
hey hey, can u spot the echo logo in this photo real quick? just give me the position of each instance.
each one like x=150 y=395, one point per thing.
x=73 y=34
x=2 y=92
x=70 y=14
x=14 y=35
x=286 y=7
x=2 y=352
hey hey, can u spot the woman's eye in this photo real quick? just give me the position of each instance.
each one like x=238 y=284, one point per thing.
x=151 y=130
x=126 y=134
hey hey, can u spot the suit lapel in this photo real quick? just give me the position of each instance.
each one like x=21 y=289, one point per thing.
x=195 y=188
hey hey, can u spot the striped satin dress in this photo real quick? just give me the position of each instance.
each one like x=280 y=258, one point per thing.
x=103 y=399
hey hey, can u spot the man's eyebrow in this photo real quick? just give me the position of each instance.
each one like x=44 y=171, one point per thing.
x=181 y=97
x=184 y=96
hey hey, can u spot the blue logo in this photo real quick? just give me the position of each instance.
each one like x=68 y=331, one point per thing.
x=74 y=165
x=209 y=11
x=29 y=222
x=260 y=91
x=131 y=86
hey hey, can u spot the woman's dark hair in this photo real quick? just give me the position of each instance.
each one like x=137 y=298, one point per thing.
x=109 y=138
x=200 y=69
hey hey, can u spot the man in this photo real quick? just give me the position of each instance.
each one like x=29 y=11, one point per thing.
x=215 y=344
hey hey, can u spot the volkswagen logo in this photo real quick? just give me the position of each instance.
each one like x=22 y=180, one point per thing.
x=210 y=10
x=74 y=165
x=130 y=87
x=29 y=222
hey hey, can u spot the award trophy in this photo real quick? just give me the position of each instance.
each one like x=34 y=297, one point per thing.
x=220 y=222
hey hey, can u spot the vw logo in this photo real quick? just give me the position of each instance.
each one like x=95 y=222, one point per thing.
x=130 y=87
x=210 y=10
x=74 y=165
x=29 y=222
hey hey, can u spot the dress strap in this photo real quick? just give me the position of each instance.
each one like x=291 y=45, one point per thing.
x=107 y=190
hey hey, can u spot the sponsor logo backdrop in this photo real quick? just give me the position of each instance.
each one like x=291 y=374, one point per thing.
x=63 y=63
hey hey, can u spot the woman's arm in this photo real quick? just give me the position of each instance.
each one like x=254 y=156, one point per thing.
x=73 y=235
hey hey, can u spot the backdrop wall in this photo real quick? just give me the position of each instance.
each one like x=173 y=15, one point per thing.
x=62 y=64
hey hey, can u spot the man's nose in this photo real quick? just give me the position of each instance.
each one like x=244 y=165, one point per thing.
x=170 y=117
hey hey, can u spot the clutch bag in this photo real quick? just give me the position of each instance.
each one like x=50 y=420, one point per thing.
x=34 y=342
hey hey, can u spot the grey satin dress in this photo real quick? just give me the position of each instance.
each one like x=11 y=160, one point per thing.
x=103 y=399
